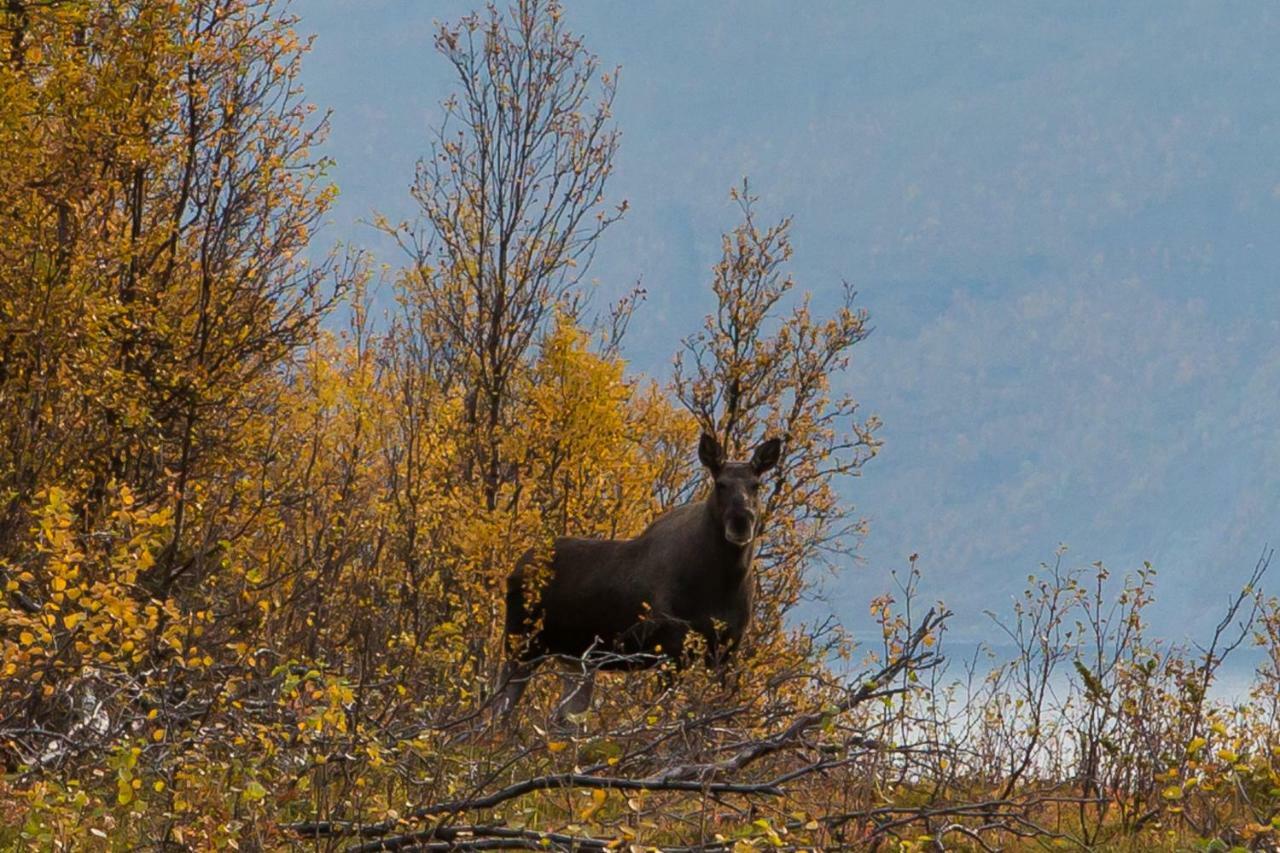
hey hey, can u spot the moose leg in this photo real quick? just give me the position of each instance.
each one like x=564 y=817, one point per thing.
x=576 y=695
x=717 y=660
x=728 y=676
x=512 y=681
x=675 y=659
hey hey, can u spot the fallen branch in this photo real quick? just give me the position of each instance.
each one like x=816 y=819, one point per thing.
x=322 y=829
x=495 y=837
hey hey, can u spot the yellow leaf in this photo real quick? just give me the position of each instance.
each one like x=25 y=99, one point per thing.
x=598 y=797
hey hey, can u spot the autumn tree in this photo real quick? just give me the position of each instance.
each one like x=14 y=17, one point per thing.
x=762 y=365
x=512 y=204
x=164 y=189
x=491 y=309
x=159 y=189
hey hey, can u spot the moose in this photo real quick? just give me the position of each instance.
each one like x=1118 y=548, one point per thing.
x=635 y=600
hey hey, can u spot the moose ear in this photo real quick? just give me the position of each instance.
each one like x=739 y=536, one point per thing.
x=711 y=453
x=766 y=455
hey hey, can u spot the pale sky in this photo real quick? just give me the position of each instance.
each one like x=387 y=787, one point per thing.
x=1064 y=221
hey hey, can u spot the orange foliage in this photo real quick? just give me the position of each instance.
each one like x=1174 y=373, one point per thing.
x=251 y=569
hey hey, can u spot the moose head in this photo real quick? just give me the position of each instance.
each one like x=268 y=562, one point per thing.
x=735 y=500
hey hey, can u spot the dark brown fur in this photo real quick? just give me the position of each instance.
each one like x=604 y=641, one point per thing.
x=639 y=598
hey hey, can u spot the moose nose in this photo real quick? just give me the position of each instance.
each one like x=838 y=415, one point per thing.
x=739 y=528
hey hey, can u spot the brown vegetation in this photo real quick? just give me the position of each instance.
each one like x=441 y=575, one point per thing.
x=253 y=569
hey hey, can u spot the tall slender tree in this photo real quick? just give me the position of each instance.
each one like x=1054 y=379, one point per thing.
x=512 y=204
x=760 y=366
